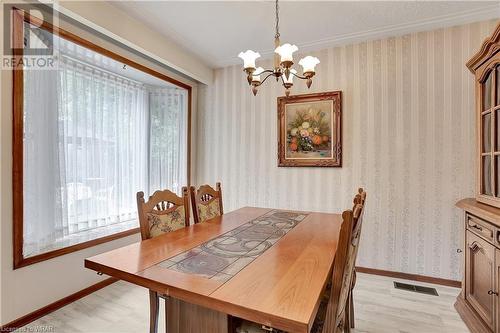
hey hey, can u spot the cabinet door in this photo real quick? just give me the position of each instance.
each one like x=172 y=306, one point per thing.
x=488 y=122
x=497 y=277
x=480 y=278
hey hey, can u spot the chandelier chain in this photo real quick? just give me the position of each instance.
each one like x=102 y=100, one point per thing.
x=277 y=20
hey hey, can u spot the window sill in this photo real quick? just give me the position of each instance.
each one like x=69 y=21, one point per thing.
x=26 y=261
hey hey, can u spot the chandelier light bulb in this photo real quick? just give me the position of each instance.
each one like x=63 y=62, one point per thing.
x=249 y=58
x=308 y=63
x=286 y=52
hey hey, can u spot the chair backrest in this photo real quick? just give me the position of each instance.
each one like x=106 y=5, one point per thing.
x=359 y=199
x=163 y=212
x=206 y=202
x=343 y=267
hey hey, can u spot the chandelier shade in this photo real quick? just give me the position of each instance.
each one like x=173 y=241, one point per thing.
x=286 y=52
x=249 y=58
x=283 y=62
x=308 y=64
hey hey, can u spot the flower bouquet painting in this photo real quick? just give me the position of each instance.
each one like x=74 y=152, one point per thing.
x=310 y=130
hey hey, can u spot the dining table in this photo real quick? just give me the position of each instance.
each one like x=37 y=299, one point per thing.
x=264 y=265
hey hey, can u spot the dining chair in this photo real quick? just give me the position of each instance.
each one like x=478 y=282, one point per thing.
x=163 y=212
x=332 y=315
x=206 y=202
x=360 y=198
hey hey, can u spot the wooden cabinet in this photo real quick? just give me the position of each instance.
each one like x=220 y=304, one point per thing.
x=479 y=303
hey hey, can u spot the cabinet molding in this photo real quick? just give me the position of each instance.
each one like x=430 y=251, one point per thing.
x=490 y=46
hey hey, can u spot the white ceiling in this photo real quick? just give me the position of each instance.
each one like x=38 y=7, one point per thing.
x=218 y=30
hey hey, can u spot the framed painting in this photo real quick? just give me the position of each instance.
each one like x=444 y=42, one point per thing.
x=310 y=130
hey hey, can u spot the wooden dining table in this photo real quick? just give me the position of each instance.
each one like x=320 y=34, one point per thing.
x=263 y=265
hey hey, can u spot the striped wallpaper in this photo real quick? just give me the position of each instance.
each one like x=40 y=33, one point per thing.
x=408 y=138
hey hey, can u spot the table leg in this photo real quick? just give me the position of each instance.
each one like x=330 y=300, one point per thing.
x=154 y=305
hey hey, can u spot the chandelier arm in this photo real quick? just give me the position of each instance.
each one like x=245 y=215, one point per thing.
x=298 y=76
x=268 y=75
x=266 y=71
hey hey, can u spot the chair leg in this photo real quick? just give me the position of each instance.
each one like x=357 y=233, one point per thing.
x=154 y=305
x=351 y=300
x=347 y=320
x=351 y=310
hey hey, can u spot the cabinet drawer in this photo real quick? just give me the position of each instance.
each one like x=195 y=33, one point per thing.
x=481 y=228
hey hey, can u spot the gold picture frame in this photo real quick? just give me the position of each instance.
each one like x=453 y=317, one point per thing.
x=310 y=130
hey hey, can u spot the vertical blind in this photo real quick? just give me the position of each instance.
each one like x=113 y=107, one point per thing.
x=92 y=140
x=167 y=128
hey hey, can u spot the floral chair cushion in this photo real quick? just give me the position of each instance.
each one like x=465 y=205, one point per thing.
x=163 y=223
x=209 y=211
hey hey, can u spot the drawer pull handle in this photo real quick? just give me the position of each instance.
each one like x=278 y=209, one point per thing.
x=475 y=226
x=491 y=292
x=474 y=247
x=459 y=250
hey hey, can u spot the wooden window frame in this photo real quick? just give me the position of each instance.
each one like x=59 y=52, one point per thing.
x=19 y=17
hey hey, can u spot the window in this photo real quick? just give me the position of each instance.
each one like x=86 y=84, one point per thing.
x=88 y=135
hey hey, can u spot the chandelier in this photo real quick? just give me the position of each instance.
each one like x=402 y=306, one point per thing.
x=283 y=62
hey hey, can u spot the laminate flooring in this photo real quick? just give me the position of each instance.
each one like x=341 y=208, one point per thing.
x=379 y=308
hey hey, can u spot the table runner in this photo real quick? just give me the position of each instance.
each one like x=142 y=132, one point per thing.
x=224 y=256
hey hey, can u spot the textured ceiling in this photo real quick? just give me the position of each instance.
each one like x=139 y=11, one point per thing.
x=218 y=30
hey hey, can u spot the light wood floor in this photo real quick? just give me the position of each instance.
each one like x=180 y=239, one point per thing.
x=123 y=308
